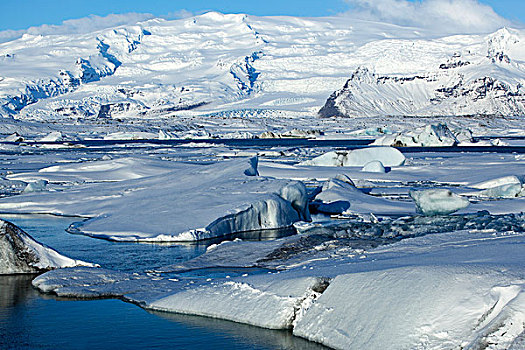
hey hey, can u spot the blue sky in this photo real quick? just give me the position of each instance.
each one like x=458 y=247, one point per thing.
x=21 y=14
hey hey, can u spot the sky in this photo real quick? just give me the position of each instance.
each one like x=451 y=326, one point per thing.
x=22 y=14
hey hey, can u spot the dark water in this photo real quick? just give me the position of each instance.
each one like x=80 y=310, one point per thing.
x=31 y=320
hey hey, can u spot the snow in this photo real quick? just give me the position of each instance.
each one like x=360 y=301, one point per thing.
x=438 y=202
x=221 y=63
x=20 y=253
x=500 y=181
x=208 y=201
x=388 y=156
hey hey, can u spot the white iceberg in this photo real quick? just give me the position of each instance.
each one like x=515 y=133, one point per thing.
x=104 y=170
x=435 y=135
x=511 y=190
x=374 y=166
x=36 y=186
x=54 y=136
x=20 y=253
x=388 y=156
x=189 y=203
x=438 y=201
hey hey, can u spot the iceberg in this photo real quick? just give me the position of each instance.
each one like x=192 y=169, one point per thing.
x=36 y=186
x=388 y=156
x=54 y=136
x=438 y=201
x=511 y=190
x=338 y=197
x=20 y=253
x=374 y=166
x=192 y=202
x=500 y=181
x=435 y=135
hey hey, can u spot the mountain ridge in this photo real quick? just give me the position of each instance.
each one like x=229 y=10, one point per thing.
x=220 y=62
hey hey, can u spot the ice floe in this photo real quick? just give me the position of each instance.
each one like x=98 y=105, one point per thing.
x=189 y=203
x=438 y=201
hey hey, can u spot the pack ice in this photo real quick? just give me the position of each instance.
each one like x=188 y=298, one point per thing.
x=190 y=202
x=20 y=253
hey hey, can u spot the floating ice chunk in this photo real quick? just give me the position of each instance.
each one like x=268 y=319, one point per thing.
x=336 y=194
x=435 y=135
x=374 y=166
x=20 y=253
x=14 y=137
x=388 y=156
x=463 y=135
x=302 y=133
x=332 y=158
x=505 y=180
x=438 y=201
x=498 y=142
x=54 y=136
x=237 y=135
x=37 y=186
x=511 y=190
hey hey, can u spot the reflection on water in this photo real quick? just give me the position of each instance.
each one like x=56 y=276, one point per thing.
x=30 y=321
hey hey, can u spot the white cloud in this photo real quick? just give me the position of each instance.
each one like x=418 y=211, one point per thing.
x=179 y=14
x=445 y=16
x=76 y=26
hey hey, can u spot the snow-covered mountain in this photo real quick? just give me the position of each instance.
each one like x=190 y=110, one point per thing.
x=216 y=62
x=482 y=78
